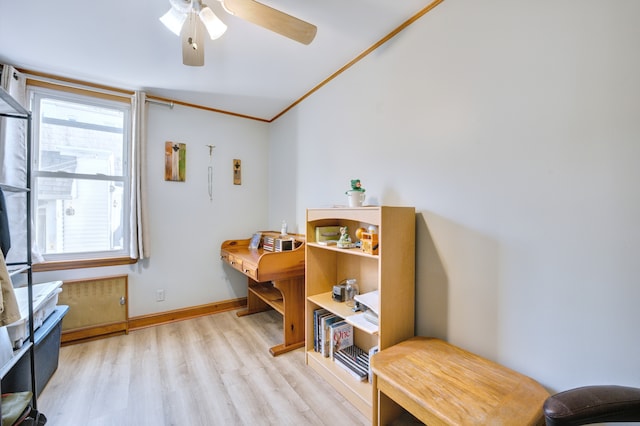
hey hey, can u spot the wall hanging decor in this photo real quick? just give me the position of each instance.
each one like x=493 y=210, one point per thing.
x=237 y=171
x=210 y=172
x=175 y=161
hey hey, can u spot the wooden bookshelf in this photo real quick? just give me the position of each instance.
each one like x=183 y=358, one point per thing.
x=391 y=272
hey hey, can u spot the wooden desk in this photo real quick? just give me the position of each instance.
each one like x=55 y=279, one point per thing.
x=275 y=280
x=441 y=384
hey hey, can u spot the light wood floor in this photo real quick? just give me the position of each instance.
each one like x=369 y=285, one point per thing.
x=214 y=370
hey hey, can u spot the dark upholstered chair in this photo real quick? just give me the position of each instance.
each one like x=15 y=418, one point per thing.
x=593 y=404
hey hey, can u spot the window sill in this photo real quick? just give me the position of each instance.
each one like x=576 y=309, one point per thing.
x=84 y=263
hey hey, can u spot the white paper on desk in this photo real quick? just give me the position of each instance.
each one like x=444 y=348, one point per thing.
x=359 y=321
x=371 y=300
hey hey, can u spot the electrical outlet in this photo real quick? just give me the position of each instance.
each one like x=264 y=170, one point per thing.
x=160 y=295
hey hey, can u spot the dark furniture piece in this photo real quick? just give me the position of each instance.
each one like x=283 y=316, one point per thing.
x=593 y=404
x=47 y=355
x=11 y=108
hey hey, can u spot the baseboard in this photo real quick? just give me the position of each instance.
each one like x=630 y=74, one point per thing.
x=87 y=334
x=151 y=320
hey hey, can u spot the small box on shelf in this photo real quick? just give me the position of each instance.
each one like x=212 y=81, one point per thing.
x=327 y=234
x=284 y=245
x=369 y=243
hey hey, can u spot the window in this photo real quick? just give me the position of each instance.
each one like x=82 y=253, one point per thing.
x=80 y=174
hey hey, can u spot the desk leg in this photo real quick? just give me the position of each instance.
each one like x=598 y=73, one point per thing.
x=293 y=317
x=387 y=411
x=254 y=303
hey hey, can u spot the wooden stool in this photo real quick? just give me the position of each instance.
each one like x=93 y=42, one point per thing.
x=441 y=384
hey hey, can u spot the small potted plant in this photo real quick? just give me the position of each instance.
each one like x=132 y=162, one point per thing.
x=356 y=193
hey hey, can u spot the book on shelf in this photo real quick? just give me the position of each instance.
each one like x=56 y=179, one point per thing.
x=317 y=314
x=354 y=360
x=341 y=336
x=325 y=331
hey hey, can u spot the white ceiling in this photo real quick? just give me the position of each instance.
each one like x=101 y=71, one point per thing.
x=249 y=70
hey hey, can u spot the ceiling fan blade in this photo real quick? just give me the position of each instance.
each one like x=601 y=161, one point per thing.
x=193 y=41
x=272 y=19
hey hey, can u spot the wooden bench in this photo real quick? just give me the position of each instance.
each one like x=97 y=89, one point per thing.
x=441 y=384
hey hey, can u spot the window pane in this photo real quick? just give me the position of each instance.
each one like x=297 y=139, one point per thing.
x=80 y=176
x=79 y=215
x=79 y=138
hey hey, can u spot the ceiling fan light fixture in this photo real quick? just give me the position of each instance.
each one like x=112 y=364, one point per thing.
x=215 y=27
x=173 y=20
x=189 y=19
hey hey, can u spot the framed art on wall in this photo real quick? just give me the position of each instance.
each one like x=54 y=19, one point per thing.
x=175 y=161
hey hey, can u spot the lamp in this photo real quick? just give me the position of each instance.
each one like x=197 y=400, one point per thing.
x=215 y=27
x=192 y=46
x=173 y=20
x=249 y=10
x=176 y=16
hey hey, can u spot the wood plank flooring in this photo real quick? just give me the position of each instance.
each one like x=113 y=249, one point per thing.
x=213 y=370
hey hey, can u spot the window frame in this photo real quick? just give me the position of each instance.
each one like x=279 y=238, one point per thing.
x=38 y=90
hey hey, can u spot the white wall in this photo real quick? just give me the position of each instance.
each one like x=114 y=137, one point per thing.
x=186 y=228
x=513 y=128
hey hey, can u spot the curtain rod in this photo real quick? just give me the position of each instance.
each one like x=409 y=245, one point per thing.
x=170 y=104
x=52 y=80
x=62 y=82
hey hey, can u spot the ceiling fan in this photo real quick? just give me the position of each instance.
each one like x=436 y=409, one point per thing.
x=190 y=18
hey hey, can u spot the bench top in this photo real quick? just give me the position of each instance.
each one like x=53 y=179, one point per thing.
x=440 y=383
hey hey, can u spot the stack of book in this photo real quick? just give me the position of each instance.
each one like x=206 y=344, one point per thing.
x=354 y=360
x=268 y=243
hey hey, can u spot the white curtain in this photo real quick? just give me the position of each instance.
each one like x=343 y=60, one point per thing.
x=13 y=152
x=13 y=132
x=13 y=164
x=139 y=237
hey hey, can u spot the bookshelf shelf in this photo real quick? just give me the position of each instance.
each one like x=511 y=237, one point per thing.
x=391 y=272
x=358 y=393
x=325 y=300
x=351 y=251
x=269 y=294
